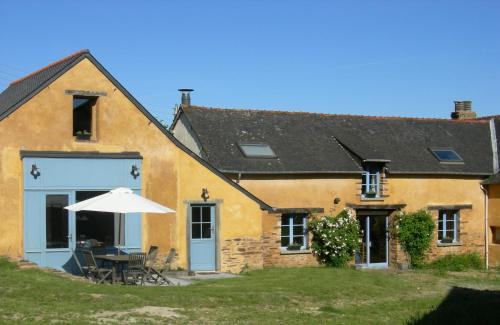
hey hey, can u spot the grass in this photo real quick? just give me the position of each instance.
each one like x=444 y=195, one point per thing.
x=293 y=296
x=457 y=262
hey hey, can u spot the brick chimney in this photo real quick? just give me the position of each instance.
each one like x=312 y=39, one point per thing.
x=463 y=110
x=186 y=97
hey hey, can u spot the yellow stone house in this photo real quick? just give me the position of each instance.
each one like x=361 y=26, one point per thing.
x=243 y=183
x=305 y=164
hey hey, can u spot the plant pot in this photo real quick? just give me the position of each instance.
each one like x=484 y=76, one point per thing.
x=293 y=248
x=83 y=137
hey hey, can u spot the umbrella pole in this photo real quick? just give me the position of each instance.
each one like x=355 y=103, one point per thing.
x=119 y=231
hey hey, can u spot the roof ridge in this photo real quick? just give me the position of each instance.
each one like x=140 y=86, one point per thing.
x=373 y=117
x=489 y=117
x=71 y=56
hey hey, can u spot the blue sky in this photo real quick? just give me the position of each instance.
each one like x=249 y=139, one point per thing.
x=405 y=58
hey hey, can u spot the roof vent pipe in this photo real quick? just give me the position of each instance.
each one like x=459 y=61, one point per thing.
x=186 y=97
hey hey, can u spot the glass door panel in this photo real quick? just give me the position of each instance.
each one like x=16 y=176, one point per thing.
x=378 y=240
x=56 y=221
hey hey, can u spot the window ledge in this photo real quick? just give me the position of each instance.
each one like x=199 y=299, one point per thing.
x=303 y=251
x=448 y=244
x=372 y=199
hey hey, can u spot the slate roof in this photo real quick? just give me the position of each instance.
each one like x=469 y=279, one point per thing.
x=22 y=90
x=323 y=143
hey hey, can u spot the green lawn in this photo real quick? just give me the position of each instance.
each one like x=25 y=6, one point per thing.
x=287 y=296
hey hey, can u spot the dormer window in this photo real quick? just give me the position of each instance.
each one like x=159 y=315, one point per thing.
x=446 y=155
x=371 y=187
x=83 y=108
x=256 y=150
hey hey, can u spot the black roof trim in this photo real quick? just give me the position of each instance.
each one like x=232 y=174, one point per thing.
x=246 y=172
x=80 y=154
x=399 y=172
x=89 y=56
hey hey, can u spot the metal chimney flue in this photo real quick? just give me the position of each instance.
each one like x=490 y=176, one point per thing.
x=185 y=97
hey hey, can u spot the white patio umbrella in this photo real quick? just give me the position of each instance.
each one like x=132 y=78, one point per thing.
x=120 y=200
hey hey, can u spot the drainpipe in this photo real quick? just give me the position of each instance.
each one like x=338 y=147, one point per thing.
x=486 y=242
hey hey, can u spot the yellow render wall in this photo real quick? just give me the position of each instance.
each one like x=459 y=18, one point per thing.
x=45 y=123
x=494 y=222
x=415 y=192
x=240 y=218
x=494 y=205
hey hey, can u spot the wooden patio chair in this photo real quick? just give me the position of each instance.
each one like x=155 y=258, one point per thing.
x=135 y=270
x=84 y=269
x=152 y=274
x=98 y=274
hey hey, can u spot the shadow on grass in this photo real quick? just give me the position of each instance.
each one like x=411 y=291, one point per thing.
x=464 y=306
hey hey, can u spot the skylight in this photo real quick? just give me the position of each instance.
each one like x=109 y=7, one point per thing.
x=257 y=150
x=446 y=155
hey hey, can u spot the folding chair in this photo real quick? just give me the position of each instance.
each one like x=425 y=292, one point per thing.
x=135 y=271
x=99 y=274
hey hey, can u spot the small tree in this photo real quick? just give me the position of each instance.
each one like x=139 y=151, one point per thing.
x=335 y=239
x=414 y=231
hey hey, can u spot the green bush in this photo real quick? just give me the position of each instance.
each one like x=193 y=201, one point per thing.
x=458 y=262
x=335 y=239
x=414 y=231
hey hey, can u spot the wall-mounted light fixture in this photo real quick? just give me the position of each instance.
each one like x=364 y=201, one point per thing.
x=35 y=171
x=135 y=171
x=204 y=194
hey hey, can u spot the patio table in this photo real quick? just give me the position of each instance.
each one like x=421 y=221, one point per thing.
x=115 y=260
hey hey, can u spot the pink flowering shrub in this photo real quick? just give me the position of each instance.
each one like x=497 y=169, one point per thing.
x=335 y=239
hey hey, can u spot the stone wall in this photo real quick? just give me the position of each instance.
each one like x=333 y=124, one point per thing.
x=271 y=242
x=471 y=240
x=238 y=254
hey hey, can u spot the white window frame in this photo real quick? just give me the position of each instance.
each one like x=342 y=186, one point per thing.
x=446 y=217
x=290 y=230
x=367 y=183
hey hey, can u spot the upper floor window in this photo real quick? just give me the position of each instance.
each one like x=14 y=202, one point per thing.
x=294 y=231
x=257 y=150
x=370 y=187
x=82 y=117
x=448 y=226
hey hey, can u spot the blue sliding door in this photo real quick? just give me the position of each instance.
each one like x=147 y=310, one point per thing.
x=52 y=233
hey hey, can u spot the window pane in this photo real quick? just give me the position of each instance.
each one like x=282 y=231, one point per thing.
x=285 y=220
x=298 y=240
x=196 y=231
x=205 y=214
x=285 y=241
x=450 y=225
x=257 y=150
x=195 y=214
x=298 y=220
x=298 y=230
x=56 y=218
x=206 y=231
x=82 y=116
x=285 y=230
x=97 y=229
x=446 y=155
x=440 y=234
